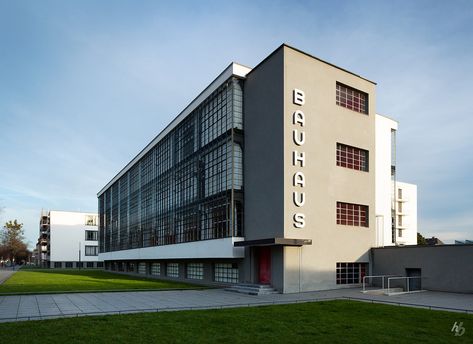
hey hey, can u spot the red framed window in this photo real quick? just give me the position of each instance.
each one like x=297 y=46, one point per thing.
x=352 y=98
x=350 y=214
x=352 y=157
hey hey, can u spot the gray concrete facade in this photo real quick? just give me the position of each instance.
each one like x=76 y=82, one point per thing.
x=264 y=164
x=443 y=268
x=264 y=149
x=270 y=169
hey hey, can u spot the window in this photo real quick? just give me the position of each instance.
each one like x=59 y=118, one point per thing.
x=100 y=264
x=352 y=214
x=79 y=264
x=156 y=269
x=399 y=207
x=58 y=265
x=195 y=271
x=399 y=220
x=91 y=250
x=69 y=265
x=351 y=273
x=172 y=270
x=186 y=187
x=90 y=264
x=226 y=272
x=352 y=99
x=352 y=157
x=91 y=235
x=399 y=193
x=142 y=268
x=90 y=220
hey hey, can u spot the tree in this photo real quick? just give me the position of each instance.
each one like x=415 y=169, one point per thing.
x=421 y=240
x=11 y=240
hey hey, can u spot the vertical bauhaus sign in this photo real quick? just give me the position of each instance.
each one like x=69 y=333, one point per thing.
x=298 y=158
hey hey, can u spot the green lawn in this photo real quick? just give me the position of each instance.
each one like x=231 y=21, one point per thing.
x=43 y=281
x=326 y=322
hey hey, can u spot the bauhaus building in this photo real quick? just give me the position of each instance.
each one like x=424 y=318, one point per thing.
x=268 y=176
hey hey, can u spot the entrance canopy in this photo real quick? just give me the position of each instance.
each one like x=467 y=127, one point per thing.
x=274 y=242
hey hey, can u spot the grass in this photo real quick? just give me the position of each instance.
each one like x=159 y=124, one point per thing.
x=320 y=322
x=47 y=281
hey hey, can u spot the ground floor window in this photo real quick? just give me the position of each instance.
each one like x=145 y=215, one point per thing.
x=131 y=267
x=68 y=264
x=58 y=265
x=90 y=264
x=79 y=265
x=91 y=250
x=142 y=268
x=172 y=270
x=351 y=273
x=195 y=271
x=226 y=272
x=100 y=264
x=156 y=269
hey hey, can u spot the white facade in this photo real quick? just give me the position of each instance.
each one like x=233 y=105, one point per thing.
x=68 y=238
x=406 y=213
x=387 y=187
x=218 y=248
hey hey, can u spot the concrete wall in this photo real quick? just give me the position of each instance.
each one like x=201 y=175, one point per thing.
x=215 y=248
x=67 y=232
x=384 y=184
x=263 y=151
x=443 y=268
x=313 y=267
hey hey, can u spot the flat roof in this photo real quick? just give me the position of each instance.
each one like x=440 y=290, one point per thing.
x=312 y=56
x=73 y=211
x=234 y=69
x=273 y=242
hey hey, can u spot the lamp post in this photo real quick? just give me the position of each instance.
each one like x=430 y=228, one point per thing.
x=79 y=257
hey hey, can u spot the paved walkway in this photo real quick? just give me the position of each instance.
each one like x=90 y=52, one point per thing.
x=30 y=307
x=5 y=274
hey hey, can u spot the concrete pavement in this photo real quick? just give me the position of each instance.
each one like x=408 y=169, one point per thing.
x=31 y=307
x=5 y=274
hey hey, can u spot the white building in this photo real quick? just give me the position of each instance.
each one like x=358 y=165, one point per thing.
x=68 y=240
x=406 y=213
x=396 y=217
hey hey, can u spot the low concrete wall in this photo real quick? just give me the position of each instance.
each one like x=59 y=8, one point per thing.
x=443 y=268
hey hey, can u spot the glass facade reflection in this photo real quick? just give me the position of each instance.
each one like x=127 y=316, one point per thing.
x=188 y=187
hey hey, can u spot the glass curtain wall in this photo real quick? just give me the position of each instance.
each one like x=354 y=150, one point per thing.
x=188 y=187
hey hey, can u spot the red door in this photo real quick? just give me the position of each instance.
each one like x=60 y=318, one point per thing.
x=264 y=257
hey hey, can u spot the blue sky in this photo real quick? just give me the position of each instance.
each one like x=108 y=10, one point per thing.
x=85 y=85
